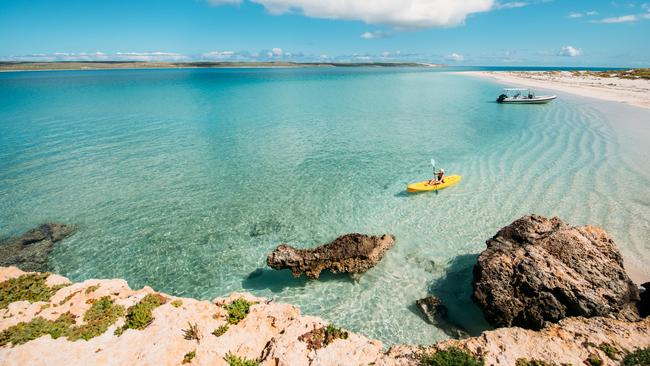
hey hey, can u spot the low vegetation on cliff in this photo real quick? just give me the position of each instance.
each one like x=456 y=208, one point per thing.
x=323 y=336
x=30 y=287
x=102 y=314
x=237 y=310
x=234 y=360
x=140 y=315
x=451 y=356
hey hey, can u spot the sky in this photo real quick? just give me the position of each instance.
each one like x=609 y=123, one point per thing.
x=454 y=32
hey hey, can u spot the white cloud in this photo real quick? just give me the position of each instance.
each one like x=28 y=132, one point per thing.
x=511 y=5
x=277 y=52
x=375 y=34
x=149 y=56
x=405 y=14
x=621 y=19
x=455 y=57
x=574 y=15
x=570 y=51
x=218 y=55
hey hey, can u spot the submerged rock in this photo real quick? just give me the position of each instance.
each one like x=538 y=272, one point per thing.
x=29 y=251
x=537 y=270
x=350 y=253
x=436 y=313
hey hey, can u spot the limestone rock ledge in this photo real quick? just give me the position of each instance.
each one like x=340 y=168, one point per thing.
x=268 y=333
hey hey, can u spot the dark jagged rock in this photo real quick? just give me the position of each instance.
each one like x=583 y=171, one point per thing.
x=350 y=253
x=29 y=251
x=436 y=313
x=539 y=270
x=644 y=303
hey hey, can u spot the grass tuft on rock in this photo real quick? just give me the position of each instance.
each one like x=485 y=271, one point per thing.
x=237 y=310
x=451 y=356
x=91 y=289
x=594 y=360
x=239 y=361
x=609 y=350
x=220 y=331
x=321 y=337
x=189 y=356
x=102 y=314
x=640 y=357
x=192 y=332
x=177 y=303
x=533 y=362
x=30 y=287
x=140 y=315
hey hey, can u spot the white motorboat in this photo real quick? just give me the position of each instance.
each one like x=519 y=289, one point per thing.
x=523 y=96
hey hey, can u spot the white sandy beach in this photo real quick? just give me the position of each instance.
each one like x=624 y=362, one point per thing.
x=633 y=92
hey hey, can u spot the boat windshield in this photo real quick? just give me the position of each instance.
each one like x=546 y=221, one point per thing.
x=519 y=93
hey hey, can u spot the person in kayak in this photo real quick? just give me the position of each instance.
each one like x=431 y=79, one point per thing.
x=439 y=178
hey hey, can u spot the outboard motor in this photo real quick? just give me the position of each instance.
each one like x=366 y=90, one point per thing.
x=501 y=98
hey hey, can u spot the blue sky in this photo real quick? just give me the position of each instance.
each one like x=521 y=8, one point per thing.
x=457 y=32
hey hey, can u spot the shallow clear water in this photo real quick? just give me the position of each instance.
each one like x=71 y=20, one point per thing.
x=184 y=180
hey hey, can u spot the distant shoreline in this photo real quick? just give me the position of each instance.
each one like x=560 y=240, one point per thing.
x=600 y=85
x=13 y=66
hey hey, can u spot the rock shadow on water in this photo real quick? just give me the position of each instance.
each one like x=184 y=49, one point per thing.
x=454 y=288
x=277 y=281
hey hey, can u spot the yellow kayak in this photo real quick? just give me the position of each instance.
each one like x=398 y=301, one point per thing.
x=425 y=186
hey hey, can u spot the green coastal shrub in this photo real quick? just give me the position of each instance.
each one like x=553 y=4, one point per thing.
x=140 y=315
x=451 y=356
x=189 y=356
x=239 y=361
x=640 y=357
x=237 y=310
x=220 y=331
x=609 y=350
x=102 y=314
x=30 y=287
x=24 y=332
x=91 y=289
x=594 y=360
x=533 y=362
x=177 y=303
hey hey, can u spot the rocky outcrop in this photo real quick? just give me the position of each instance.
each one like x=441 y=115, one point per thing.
x=268 y=332
x=571 y=341
x=539 y=270
x=435 y=312
x=30 y=250
x=351 y=253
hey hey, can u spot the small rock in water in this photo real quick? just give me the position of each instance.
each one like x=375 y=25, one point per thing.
x=351 y=253
x=436 y=313
x=30 y=250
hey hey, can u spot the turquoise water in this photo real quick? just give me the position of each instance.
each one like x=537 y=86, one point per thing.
x=184 y=180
